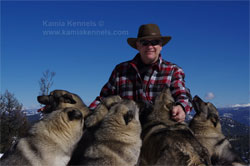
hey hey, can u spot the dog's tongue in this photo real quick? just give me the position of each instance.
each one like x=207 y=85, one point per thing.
x=41 y=109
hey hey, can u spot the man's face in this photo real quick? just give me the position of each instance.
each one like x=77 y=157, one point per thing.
x=149 y=50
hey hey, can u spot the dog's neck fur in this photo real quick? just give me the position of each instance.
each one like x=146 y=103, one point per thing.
x=69 y=136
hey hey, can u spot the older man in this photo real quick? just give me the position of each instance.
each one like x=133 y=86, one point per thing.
x=147 y=74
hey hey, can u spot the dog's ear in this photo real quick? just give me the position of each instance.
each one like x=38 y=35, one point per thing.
x=214 y=119
x=111 y=100
x=170 y=106
x=145 y=106
x=128 y=117
x=68 y=98
x=74 y=114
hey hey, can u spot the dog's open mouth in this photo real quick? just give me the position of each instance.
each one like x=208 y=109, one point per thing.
x=46 y=100
x=45 y=109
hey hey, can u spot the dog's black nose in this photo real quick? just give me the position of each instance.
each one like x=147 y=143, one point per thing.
x=197 y=99
x=42 y=99
x=46 y=100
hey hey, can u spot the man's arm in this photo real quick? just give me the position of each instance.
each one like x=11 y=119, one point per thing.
x=181 y=95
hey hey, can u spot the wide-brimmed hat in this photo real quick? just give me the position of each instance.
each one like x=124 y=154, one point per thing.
x=148 y=31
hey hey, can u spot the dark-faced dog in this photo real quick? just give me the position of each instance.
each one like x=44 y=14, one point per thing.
x=207 y=129
x=59 y=99
x=166 y=142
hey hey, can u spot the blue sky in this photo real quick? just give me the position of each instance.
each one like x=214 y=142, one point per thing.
x=210 y=41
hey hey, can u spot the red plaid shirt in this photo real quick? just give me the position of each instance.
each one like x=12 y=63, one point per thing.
x=127 y=82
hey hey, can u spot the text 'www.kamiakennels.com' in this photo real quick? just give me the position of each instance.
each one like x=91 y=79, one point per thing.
x=84 y=32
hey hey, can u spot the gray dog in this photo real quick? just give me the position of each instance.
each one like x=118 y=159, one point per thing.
x=50 y=141
x=113 y=138
x=166 y=142
x=207 y=129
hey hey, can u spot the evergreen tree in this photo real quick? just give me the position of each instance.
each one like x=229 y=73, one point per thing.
x=13 y=123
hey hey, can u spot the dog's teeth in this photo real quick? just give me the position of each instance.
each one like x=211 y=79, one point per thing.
x=41 y=109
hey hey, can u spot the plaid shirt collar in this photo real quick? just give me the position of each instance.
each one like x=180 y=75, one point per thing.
x=157 y=65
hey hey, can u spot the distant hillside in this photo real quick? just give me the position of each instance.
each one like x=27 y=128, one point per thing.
x=32 y=115
x=238 y=136
x=34 y=118
x=239 y=114
x=232 y=127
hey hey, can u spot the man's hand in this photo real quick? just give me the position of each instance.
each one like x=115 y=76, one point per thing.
x=178 y=113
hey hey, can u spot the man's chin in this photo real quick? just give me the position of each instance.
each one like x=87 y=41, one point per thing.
x=150 y=55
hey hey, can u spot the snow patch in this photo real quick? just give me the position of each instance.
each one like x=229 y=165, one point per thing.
x=227 y=115
x=241 y=105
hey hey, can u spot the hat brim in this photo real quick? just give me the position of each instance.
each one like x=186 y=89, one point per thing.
x=132 y=41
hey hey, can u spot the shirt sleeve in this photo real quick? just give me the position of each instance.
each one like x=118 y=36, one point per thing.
x=108 y=89
x=180 y=93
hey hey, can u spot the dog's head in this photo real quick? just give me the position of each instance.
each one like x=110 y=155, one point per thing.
x=122 y=119
x=59 y=99
x=164 y=101
x=127 y=110
x=160 y=111
x=96 y=116
x=205 y=111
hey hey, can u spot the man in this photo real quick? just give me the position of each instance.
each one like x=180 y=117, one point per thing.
x=145 y=76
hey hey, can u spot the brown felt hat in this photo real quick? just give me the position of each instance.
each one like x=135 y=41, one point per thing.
x=148 y=31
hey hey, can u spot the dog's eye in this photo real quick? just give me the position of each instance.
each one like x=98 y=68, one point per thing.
x=74 y=114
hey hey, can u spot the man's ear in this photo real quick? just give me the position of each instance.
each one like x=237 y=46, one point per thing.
x=68 y=98
x=137 y=44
